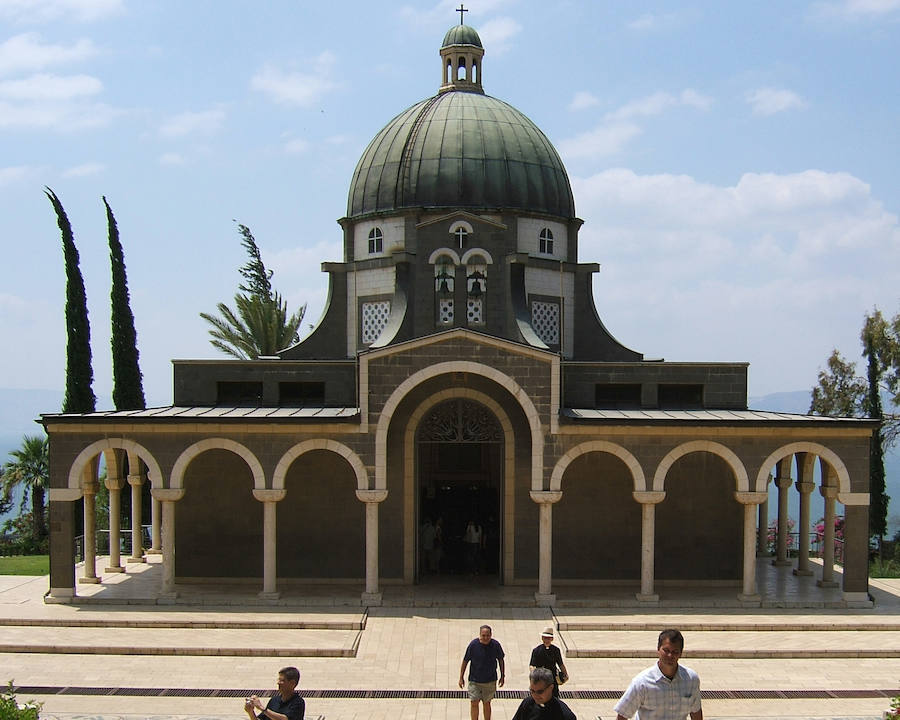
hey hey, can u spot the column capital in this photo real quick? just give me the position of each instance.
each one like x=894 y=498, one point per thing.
x=783 y=482
x=648 y=498
x=828 y=492
x=167 y=494
x=805 y=488
x=115 y=483
x=371 y=496
x=90 y=487
x=269 y=495
x=135 y=480
x=751 y=498
x=546 y=497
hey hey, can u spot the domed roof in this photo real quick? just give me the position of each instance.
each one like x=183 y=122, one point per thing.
x=461 y=150
x=461 y=35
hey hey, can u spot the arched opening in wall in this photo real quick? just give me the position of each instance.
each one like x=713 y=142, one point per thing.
x=321 y=525
x=475 y=71
x=597 y=524
x=218 y=522
x=461 y=69
x=459 y=462
x=699 y=525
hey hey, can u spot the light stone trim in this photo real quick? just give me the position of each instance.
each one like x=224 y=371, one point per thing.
x=410 y=478
x=486 y=371
x=824 y=453
x=481 y=252
x=196 y=428
x=685 y=429
x=269 y=496
x=728 y=455
x=64 y=494
x=167 y=494
x=853 y=498
x=76 y=471
x=218 y=443
x=359 y=469
x=441 y=252
x=637 y=472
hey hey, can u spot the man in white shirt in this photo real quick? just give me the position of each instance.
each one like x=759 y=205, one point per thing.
x=666 y=690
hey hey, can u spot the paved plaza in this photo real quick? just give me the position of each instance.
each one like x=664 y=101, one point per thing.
x=118 y=654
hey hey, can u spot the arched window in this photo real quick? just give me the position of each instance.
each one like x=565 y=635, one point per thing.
x=546 y=242
x=476 y=287
x=376 y=241
x=444 y=283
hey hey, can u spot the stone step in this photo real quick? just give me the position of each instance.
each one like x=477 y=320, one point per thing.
x=253 y=642
x=737 y=644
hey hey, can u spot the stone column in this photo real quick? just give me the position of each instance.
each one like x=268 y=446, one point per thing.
x=155 y=542
x=89 y=486
x=270 y=545
x=648 y=501
x=750 y=500
x=545 y=500
x=762 y=528
x=168 y=497
x=114 y=485
x=62 y=544
x=372 y=594
x=805 y=489
x=829 y=493
x=135 y=480
x=783 y=482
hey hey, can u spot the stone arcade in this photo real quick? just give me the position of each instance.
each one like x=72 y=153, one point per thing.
x=460 y=372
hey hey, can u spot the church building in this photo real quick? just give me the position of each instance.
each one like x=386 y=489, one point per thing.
x=459 y=375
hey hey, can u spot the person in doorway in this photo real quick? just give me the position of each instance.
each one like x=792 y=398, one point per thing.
x=547 y=655
x=472 y=542
x=541 y=703
x=438 y=543
x=286 y=704
x=427 y=545
x=485 y=654
x=666 y=690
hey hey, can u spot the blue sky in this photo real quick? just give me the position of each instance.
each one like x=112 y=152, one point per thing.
x=736 y=164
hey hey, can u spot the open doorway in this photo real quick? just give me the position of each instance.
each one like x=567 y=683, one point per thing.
x=459 y=469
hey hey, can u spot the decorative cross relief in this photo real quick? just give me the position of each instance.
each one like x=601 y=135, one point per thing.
x=460 y=421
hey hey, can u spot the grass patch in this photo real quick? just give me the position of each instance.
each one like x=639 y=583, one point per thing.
x=25 y=565
x=885 y=569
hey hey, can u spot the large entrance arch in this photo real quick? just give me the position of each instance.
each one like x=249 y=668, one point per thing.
x=459 y=490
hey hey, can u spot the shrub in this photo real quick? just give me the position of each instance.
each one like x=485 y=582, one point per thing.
x=11 y=710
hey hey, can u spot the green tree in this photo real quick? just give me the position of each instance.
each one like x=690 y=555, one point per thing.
x=839 y=391
x=79 y=397
x=30 y=470
x=128 y=390
x=260 y=324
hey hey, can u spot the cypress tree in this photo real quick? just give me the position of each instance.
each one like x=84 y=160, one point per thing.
x=128 y=390
x=79 y=397
x=875 y=349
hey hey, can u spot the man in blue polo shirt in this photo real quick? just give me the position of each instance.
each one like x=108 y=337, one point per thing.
x=485 y=654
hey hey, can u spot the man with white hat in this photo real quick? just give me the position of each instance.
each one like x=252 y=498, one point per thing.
x=547 y=655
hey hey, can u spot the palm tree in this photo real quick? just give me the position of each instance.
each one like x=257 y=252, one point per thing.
x=30 y=469
x=260 y=325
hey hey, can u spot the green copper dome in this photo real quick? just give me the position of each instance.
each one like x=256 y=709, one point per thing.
x=461 y=35
x=461 y=150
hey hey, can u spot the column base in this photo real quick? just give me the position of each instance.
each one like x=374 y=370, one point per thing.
x=167 y=598
x=802 y=573
x=263 y=595
x=60 y=595
x=89 y=580
x=857 y=599
x=753 y=600
x=647 y=598
x=368 y=598
x=544 y=599
x=133 y=560
x=782 y=563
x=153 y=551
x=826 y=583
x=114 y=569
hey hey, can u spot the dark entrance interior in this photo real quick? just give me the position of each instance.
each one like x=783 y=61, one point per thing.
x=459 y=454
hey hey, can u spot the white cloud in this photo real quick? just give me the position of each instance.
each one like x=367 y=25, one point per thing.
x=50 y=87
x=698 y=271
x=26 y=53
x=58 y=116
x=296 y=146
x=188 y=123
x=13 y=174
x=582 y=100
x=302 y=89
x=171 y=158
x=620 y=126
x=856 y=9
x=497 y=33
x=769 y=101
x=84 y=170
x=47 y=10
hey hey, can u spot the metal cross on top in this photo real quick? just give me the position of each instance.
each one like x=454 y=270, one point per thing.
x=461 y=9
